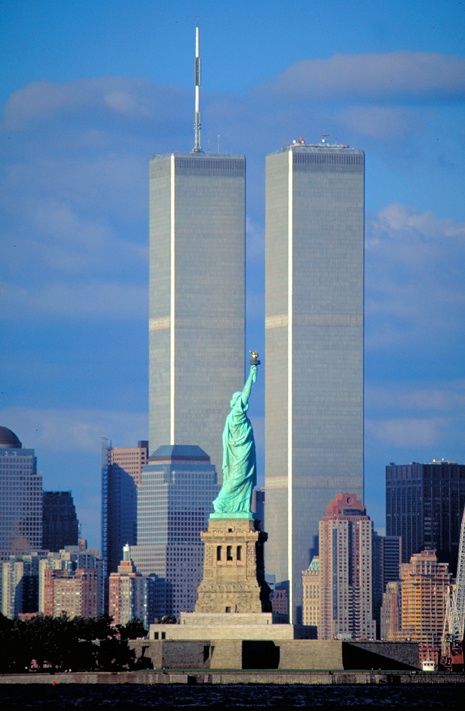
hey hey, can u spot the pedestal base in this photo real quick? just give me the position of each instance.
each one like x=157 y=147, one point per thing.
x=233 y=577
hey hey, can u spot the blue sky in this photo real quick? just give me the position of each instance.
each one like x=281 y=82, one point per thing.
x=90 y=90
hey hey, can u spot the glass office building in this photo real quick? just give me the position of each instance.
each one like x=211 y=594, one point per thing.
x=424 y=506
x=314 y=347
x=121 y=475
x=174 y=503
x=20 y=497
x=197 y=299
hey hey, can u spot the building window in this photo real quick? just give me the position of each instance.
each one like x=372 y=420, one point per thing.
x=239 y=553
x=227 y=609
x=229 y=555
x=218 y=552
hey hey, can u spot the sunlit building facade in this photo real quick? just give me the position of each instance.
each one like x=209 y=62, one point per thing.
x=346 y=571
x=314 y=347
x=128 y=597
x=196 y=297
x=424 y=587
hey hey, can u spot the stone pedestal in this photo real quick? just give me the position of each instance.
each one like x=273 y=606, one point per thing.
x=233 y=577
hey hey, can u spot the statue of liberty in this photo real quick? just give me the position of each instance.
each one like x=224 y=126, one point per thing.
x=239 y=460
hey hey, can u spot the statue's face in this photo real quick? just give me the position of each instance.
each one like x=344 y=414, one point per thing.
x=234 y=399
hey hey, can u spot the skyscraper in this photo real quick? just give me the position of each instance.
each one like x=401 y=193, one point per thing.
x=60 y=524
x=174 y=502
x=346 y=571
x=314 y=346
x=424 y=588
x=128 y=597
x=386 y=567
x=197 y=292
x=20 y=497
x=197 y=298
x=424 y=505
x=121 y=475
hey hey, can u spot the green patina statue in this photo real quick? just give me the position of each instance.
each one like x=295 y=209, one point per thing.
x=239 y=460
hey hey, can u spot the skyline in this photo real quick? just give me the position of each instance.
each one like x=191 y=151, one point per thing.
x=81 y=120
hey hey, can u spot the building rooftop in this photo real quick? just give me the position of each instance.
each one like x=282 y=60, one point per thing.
x=8 y=439
x=179 y=451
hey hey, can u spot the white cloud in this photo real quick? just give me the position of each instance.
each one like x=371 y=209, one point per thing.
x=415 y=291
x=120 y=97
x=397 y=76
x=73 y=430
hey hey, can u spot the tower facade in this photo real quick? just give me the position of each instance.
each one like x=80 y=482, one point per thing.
x=197 y=296
x=121 y=475
x=424 y=505
x=20 y=497
x=424 y=588
x=174 y=502
x=128 y=593
x=346 y=571
x=60 y=523
x=314 y=347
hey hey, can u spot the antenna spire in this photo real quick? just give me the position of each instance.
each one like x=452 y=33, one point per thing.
x=197 y=148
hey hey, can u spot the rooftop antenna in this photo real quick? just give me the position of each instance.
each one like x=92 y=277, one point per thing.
x=197 y=148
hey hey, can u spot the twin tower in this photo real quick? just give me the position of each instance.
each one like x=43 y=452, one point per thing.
x=313 y=361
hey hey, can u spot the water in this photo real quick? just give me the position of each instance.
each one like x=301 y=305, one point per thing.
x=249 y=697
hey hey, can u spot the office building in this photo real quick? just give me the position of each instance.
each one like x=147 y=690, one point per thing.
x=121 y=475
x=128 y=597
x=386 y=568
x=346 y=573
x=424 y=505
x=174 y=503
x=196 y=297
x=424 y=588
x=59 y=521
x=314 y=346
x=311 y=593
x=20 y=497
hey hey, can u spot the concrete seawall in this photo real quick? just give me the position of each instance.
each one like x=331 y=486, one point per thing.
x=236 y=677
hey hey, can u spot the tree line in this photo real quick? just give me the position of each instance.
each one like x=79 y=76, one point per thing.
x=59 y=644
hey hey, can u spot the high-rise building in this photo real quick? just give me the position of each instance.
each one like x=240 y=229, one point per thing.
x=424 y=589
x=60 y=523
x=174 y=502
x=65 y=563
x=311 y=593
x=20 y=497
x=121 y=475
x=197 y=296
x=73 y=593
x=314 y=346
x=386 y=568
x=390 y=612
x=128 y=597
x=346 y=572
x=424 y=505
x=20 y=584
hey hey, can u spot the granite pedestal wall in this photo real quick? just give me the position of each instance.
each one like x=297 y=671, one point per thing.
x=233 y=573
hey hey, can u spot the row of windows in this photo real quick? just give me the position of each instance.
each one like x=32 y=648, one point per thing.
x=228 y=552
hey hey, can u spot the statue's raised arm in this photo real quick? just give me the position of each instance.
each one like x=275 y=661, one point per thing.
x=239 y=458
